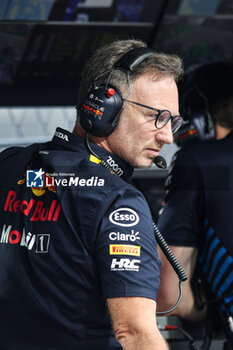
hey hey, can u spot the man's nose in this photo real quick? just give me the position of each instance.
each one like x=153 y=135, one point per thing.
x=165 y=134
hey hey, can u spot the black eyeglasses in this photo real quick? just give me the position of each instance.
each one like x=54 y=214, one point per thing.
x=162 y=117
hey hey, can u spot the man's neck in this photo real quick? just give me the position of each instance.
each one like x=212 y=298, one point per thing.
x=221 y=131
x=100 y=141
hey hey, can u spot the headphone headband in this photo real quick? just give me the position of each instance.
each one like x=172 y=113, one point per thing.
x=133 y=58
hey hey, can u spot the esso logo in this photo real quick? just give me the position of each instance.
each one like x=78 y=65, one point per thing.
x=124 y=217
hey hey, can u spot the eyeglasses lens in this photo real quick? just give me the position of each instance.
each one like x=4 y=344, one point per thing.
x=163 y=119
x=176 y=124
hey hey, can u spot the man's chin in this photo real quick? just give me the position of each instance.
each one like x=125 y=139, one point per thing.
x=144 y=165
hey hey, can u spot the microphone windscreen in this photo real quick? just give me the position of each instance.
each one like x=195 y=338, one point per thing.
x=160 y=162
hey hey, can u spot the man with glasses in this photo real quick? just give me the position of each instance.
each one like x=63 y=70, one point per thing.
x=85 y=273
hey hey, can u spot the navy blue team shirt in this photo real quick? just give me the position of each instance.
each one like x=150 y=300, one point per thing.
x=199 y=211
x=69 y=239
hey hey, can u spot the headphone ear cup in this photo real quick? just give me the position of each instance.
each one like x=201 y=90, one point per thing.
x=198 y=121
x=100 y=109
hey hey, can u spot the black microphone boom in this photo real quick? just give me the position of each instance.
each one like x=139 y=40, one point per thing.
x=160 y=162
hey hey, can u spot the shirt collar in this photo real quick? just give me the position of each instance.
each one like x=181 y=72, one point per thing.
x=68 y=140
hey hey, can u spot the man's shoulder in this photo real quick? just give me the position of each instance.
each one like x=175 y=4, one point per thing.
x=208 y=151
x=8 y=152
x=114 y=185
x=197 y=151
x=16 y=151
x=197 y=145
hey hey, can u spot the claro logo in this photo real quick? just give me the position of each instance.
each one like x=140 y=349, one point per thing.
x=124 y=217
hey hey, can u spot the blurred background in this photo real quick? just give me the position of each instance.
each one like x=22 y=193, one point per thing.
x=44 y=45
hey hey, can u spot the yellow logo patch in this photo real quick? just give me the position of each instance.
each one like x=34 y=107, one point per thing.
x=94 y=159
x=121 y=249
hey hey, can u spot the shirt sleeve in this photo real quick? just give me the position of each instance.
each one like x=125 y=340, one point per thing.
x=126 y=248
x=180 y=219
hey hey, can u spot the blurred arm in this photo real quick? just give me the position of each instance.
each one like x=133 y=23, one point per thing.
x=134 y=323
x=168 y=290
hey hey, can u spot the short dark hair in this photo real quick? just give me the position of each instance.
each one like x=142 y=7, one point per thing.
x=106 y=56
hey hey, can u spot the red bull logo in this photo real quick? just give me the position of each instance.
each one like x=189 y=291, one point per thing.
x=35 y=209
x=92 y=109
